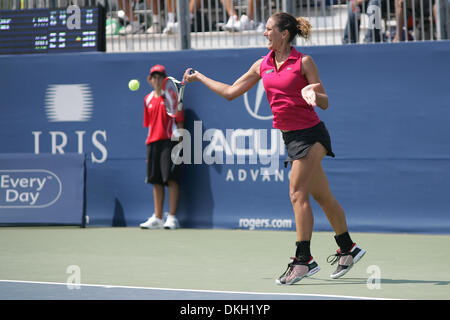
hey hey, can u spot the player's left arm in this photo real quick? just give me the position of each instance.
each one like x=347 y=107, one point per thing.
x=314 y=93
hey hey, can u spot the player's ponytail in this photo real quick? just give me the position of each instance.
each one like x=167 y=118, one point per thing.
x=303 y=28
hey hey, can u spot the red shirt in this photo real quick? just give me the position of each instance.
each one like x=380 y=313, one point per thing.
x=160 y=125
x=284 y=92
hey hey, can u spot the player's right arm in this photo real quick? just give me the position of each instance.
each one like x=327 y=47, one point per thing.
x=229 y=92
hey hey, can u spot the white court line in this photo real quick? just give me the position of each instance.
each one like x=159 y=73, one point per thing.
x=203 y=291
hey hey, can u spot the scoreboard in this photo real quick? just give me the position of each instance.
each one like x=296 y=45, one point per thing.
x=70 y=29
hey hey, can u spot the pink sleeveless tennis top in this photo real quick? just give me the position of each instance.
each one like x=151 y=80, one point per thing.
x=283 y=90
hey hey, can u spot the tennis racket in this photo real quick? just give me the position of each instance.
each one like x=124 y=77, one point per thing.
x=172 y=92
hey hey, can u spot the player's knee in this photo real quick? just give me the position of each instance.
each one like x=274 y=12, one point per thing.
x=299 y=197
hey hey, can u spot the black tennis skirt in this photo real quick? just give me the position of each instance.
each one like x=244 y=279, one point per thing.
x=298 y=142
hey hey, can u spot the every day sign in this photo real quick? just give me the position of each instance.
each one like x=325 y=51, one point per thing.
x=42 y=189
x=29 y=188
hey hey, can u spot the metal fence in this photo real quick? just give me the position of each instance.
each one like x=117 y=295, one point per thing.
x=161 y=25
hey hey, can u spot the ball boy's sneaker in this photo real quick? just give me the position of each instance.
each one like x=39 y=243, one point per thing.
x=171 y=222
x=152 y=223
x=346 y=260
x=297 y=270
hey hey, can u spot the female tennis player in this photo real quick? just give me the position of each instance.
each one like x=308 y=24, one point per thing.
x=293 y=88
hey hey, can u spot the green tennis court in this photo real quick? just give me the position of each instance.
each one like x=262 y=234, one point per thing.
x=211 y=264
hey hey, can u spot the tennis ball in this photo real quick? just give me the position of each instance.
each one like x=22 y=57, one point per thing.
x=133 y=85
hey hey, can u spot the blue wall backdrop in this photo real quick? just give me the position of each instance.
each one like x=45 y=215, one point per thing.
x=388 y=119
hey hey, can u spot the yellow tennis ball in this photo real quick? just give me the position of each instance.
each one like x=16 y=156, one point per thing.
x=133 y=85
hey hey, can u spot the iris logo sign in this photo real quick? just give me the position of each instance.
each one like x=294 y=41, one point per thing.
x=35 y=188
x=68 y=102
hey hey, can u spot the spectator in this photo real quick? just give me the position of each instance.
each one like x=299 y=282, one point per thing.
x=375 y=9
x=171 y=25
x=243 y=22
x=233 y=23
x=132 y=25
x=402 y=30
x=250 y=22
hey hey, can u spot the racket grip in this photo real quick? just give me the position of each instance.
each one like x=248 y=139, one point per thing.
x=180 y=106
x=190 y=72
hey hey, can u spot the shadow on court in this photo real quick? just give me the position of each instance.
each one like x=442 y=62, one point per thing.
x=402 y=281
x=353 y=281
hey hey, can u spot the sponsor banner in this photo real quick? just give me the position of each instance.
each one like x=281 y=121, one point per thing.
x=261 y=223
x=29 y=188
x=42 y=189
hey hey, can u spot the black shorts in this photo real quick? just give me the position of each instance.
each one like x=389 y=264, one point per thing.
x=298 y=142
x=160 y=168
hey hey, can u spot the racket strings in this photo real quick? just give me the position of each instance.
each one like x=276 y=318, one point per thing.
x=171 y=96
